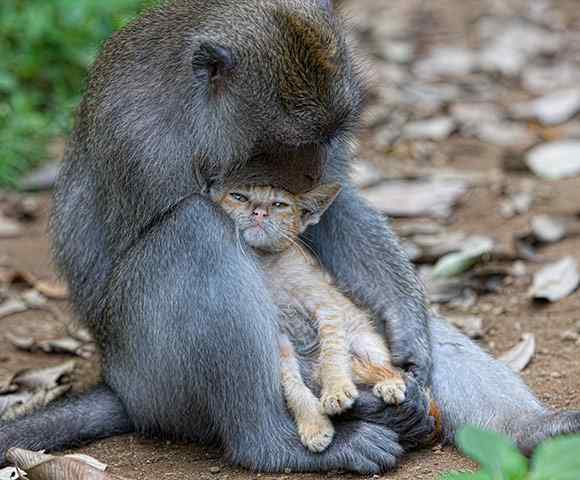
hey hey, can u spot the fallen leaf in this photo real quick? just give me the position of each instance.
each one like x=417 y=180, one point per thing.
x=40 y=466
x=68 y=345
x=30 y=389
x=446 y=62
x=548 y=228
x=551 y=109
x=542 y=79
x=44 y=378
x=431 y=198
x=12 y=473
x=520 y=356
x=456 y=263
x=505 y=134
x=12 y=306
x=24 y=403
x=9 y=228
x=50 y=289
x=11 y=400
x=556 y=280
x=438 y=128
x=555 y=160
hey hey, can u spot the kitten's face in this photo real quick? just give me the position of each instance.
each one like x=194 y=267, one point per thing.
x=270 y=219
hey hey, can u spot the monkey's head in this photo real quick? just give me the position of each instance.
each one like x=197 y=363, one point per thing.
x=264 y=85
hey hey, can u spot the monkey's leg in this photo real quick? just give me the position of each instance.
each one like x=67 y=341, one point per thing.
x=315 y=428
x=472 y=388
x=356 y=245
x=72 y=421
x=193 y=350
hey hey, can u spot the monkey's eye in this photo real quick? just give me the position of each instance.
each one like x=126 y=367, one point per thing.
x=239 y=197
x=280 y=205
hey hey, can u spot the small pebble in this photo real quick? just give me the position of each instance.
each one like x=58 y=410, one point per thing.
x=287 y=470
x=569 y=336
x=556 y=375
x=215 y=470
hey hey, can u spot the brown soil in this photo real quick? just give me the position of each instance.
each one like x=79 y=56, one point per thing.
x=554 y=373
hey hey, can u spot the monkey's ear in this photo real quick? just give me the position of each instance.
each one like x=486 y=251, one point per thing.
x=214 y=60
x=315 y=202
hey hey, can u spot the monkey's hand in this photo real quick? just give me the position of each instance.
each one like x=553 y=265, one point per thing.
x=382 y=278
x=410 y=344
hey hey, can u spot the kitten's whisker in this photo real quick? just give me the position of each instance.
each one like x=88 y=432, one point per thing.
x=240 y=242
x=310 y=248
x=292 y=240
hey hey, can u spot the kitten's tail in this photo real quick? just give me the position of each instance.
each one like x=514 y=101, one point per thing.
x=472 y=388
x=73 y=421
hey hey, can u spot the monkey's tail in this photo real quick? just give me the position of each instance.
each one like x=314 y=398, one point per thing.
x=472 y=388
x=73 y=421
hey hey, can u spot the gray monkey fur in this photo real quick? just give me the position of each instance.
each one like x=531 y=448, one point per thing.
x=157 y=273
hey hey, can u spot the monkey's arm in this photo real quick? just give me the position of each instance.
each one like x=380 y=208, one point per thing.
x=357 y=246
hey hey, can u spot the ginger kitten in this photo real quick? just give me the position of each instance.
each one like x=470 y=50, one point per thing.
x=271 y=221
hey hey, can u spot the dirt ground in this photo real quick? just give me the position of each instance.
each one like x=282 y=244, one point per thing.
x=554 y=372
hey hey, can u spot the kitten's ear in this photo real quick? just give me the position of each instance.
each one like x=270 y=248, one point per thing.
x=214 y=61
x=315 y=202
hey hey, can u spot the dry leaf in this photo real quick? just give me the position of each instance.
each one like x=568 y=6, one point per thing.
x=50 y=289
x=9 y=228
x=556 y=280
x=551 y=109
x=549 y=229
x=12 y=473
x=40 y=466
x=68 y=345
x=27 y=402
x=555 y=160
x=520 y=356
x=438 y=128
x=12 y=306
x=434 y=198
x=44 y=378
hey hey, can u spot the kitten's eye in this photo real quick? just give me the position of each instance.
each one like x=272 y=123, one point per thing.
x=239 y=197
x=280 y=205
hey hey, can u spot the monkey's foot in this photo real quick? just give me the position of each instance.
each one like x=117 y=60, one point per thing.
x=392 y=391
x=338 y=397
x=317 y=434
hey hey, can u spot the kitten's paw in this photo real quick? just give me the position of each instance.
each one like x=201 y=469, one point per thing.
x=317 y=435
x=392 y=391
x=338 y=398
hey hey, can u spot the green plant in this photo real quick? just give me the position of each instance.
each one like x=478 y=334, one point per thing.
x=46 y=48
x=555 y=459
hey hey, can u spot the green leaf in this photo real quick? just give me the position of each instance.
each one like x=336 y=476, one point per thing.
x=498 y=456
x=557 y=459
x=457 y=263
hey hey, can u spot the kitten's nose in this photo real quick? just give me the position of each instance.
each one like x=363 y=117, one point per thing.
x=259 y=213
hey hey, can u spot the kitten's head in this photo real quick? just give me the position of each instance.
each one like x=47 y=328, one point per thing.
x=270 y=219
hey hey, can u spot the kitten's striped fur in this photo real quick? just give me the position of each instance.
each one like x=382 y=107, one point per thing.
x=271 y=220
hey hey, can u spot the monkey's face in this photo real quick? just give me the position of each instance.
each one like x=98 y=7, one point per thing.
x=282 y=80
x=225 y=85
